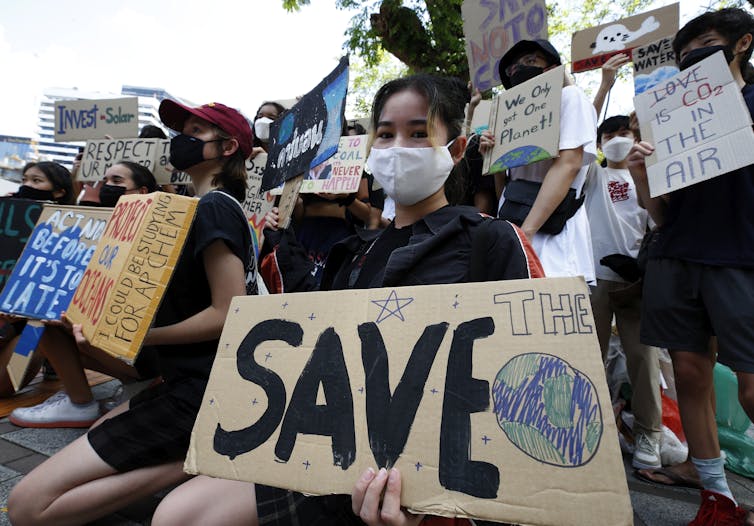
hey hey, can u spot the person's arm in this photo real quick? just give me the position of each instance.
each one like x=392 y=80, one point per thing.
x=476 y=98
x=609 y=71
x=554 y=188
x=655 y=206
x=226 y=277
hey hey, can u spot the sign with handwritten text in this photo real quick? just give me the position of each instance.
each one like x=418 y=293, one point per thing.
x=123 y=284
x=341 y=173
x=77 y=120
x=525 y=121
x=489 y=397
x=99 y=155
x=17 y=220
x=653 y=64
x=257 y=203
x=699 y=125
x=592 y=47
x=52 y=264
x=492 y=27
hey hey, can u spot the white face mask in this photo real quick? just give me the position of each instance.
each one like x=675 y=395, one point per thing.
x=262 y=128
x=409 y=175
x=616 y=149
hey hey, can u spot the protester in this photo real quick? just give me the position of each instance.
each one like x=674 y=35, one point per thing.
x=417 y=123
x=700 y=272
x=618 y=225
x=267 y=113
x=46 y=181
x=139 y=447
x=560 y=180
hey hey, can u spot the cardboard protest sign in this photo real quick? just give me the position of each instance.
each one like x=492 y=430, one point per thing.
x=525 y=121
x=287 y=202
x=699 y=124
x=17 y=219
x=124 y=282
x=48 y=271
x=77 y=120
x=308 y=134
x=22 y=351
x=341 y=173
x=99 y=155
x=257 y=203
x=491 y=29
x=480 y=121
x=592 y=47
x=53 y=261
x=653 y=64
x=489 y=397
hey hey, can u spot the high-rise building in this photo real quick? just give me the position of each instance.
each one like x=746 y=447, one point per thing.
x=64 y=152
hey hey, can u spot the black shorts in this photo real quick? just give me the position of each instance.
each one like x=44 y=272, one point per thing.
x=279 y=507
x=155 y=430
x=686 y=303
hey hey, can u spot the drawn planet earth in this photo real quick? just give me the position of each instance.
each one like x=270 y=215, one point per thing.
x=548 y=409
x=520 y=156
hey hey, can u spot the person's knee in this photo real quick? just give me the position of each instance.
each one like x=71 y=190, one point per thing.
x=23 y=504
x=693 y=372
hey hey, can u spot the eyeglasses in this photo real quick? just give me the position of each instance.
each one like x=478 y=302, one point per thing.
x=526 y=60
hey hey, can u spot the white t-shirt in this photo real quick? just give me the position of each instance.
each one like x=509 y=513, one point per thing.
x=617 y=221
x=570 y=252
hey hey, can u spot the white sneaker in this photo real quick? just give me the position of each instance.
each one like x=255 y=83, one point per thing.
x=56 y=411
x=647 y=453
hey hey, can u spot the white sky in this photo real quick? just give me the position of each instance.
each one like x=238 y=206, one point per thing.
x=239 y=52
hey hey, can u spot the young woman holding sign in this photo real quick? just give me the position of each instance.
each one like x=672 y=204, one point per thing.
x=139 y=447
x=417 y=123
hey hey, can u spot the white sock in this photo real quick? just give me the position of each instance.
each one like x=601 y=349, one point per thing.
x=712 y=475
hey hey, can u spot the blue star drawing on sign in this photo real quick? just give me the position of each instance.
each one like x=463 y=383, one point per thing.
x=285 y=304
x=434 y=391
x=387 y=311
x=306 y=465
x=418 y=466
x=254 y=402
x=486 y=439
x=267 y=356
x=455 y=303
x=311 y=316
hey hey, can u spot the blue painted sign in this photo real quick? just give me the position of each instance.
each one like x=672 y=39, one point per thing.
x=17 y=219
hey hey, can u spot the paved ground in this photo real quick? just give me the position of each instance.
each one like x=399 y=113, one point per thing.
x=23 y=449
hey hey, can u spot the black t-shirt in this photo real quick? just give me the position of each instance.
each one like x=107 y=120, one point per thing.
x=218 y=216
x=712 y=222
x=360 y=272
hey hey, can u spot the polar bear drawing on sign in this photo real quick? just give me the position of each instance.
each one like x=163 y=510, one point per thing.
x=615 y=37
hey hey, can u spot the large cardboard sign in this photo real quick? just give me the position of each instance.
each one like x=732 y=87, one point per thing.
x=525 y=121
x=592 y=47
x=123 y=284
x=77 y=120
x=653 y=64
x=489 y=397
x=699 y=124
x=492 y=27
x=99 y=155
x=308 y=134
x=341 y=173
x=52 y=264
x=257 y=203
x=17 y=220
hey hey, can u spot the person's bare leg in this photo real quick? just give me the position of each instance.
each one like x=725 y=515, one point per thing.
x=191 y=503
x=60 y=349
x=693 y=376
x=76 y=486
x=746 y=393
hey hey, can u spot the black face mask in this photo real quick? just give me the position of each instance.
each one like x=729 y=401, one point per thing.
x=28 y=192
x=187 y=151
x=109 y=194
x=697 y=55
x=523 y=73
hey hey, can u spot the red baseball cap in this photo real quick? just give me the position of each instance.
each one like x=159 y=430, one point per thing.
x=174 y=115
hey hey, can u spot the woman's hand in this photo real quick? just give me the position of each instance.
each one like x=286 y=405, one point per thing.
x=271 y=218
x=372 y=507
x=611 y=66
x=486 y=142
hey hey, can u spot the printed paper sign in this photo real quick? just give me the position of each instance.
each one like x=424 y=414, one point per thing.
x=257 y=203
x=492 y=27
x=308 y=134
x=489 y=397
x=124 y=282
x=592 y=47
x=525 y=121
x=52 y=264
x=699 y=124
x=341 y=173
x=77 y=120
x=99 y=155
x=653 y=64
x=17 y=220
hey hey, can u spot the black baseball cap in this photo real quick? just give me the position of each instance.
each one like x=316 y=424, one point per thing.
x=523 y=47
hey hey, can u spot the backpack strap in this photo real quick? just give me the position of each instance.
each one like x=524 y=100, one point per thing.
x=479 y=245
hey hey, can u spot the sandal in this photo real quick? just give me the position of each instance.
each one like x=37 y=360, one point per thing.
x=672 y=477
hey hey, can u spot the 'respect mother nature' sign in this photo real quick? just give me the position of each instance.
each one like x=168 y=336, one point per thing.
x=489 y=397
